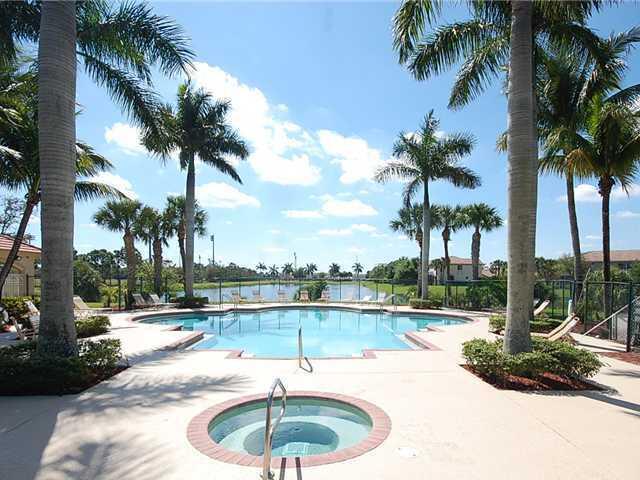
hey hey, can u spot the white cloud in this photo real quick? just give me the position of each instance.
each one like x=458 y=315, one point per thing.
x=593 y=237
x=347 y=208
x=355 y=157
x=363 y=227
x=402 y=237
x=625 y=214
x=301 y=214
x=619 y=194
x=125 y=136
x=223 y=195
x=116 y=181
x=280 y=150
x=335 y=232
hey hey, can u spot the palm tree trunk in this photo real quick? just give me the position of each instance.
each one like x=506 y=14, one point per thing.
x=426 y=230
x=475 y=254
x=605 y=185
x=17 y=240
x=157 y=265
x=56 y=143
x=578 y=273
x=419 y=285
x=446 y=235
x=522 y=183
x=189 y=215
x=130 y=252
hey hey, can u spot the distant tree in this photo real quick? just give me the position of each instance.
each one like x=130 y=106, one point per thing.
x=498 y=268
x=155 y=228
x=482 y=218
x=261 y=268
x=357 y=268
x=310 y=269
x=287 y=270
x=86 y=281
x=11 y=209
x=273 y=271
x=334 y=270
x=451 y=219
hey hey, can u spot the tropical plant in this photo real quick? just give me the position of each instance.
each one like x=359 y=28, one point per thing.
x=310 y=269
x=482 y=218
x=155 y=228
x=287 y=270
x=273 y=271
x=122 y=216
x=334 y=270
x=198 y=128
x=117 y=44
x=261 y=268
x=450 y=220
x=357 y=268
x=424 y=157
x=174 y=215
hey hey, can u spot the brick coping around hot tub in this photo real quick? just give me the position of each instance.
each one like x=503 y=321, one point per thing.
x=198 y=432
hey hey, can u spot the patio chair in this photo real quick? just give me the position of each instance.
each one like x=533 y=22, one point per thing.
x=139 y=301
x=304 y=296
x=325 y=296
x=257 y=297
x=282 y=296
x=561 y=331
x=541 y=308
x=34 y=319
x=365 y=299
x=155 y=301
x=8 y=320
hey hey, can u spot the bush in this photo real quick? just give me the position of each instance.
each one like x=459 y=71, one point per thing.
x=192 y=302
x=86 y=281
x=23 y=371
x=91 y=326
x=487 y=295
x=314 y=288
x=556 y=357
x=497 y=322
x=430 y=303
x=16 y=308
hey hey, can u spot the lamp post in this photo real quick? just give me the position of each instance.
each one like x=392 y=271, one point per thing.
x=213 y=250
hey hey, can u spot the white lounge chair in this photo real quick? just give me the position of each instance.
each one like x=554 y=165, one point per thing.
x=139 y=301
x=155 y=301
x=257 y=297
x=325 y=296
x=561 y=331
x=34 y=319
x=304 y=296
x=365 y=299
x=541 y=308
x=282 y=296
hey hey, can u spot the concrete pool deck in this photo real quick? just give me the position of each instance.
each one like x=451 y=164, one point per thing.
x=446 y=423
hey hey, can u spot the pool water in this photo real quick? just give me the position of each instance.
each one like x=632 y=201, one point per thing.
x=325 y=332
x=310 y=427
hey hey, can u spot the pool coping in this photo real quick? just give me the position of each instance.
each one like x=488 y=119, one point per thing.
x=198 y=432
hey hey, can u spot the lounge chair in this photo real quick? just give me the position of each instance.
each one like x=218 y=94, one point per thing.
x=561 y=331
x=139 y=301
x=154 y=300
x=8 y=320
x=34 y=319
x=282 y=296
x=325 y=296
x=541 y=308
x=365 y=299
x=257 y=297
x=304 y=296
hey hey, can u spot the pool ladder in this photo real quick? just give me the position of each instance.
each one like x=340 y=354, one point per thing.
x=301 y=356
x=270 y=428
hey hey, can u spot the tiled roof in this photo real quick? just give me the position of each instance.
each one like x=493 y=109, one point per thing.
x=6 y=242
x=616 y=256
x=460 y=261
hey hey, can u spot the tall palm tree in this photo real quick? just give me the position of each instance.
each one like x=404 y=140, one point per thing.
x=273 y=271
x=198 y=128
x=451 y=219
x=425 y=157
x=117 y=46
x=20 y=162
x=482 y=218
x=357 y=269
x=56 y=144
x=287 y=270
x=155 y=228
x=261 y=268
x=310 y=269
x=334 y=270
x=122 y=216
x=174 y=214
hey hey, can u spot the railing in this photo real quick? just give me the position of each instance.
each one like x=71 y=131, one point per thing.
x=301 y=355
x=270 y=429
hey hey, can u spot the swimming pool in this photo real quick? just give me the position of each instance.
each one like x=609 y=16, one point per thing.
x=326 y=332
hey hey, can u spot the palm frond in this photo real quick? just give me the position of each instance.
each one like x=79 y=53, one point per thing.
x=409 y=23
x=86 y=190
x=397 y=169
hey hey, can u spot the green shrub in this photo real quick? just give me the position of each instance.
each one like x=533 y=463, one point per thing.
x=86 y=281
x=487 y=295
x=23 y=371
x=314 y=288
x=16 y=308
x=485 y=357
x=556 y=357
x=497 y=322
x=430 y=303
x=192 y=302
x=91 y=326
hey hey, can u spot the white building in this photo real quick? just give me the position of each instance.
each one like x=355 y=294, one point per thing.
x=460 y=270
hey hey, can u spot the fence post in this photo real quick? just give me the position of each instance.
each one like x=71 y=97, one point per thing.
x=586 y=305
x=359 y=296
x=220 y=291
x=376 y=289
x=340 y=288
x=630 y=318
x=119 y=293
x=393 y=292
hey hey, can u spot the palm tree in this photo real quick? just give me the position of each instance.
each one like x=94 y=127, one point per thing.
x=155 y=228
x=174 y=214
x=357 y=269
x=334 y=270
x=122 y=216
x=273 y=271
x=261 y=268
x=482 y=218
x=56 y=144
x=451 y=219
x=20 y=162
x=198 y=128
x=310 y=269
x=424 y=157
x=117 y=46
x=287 y=270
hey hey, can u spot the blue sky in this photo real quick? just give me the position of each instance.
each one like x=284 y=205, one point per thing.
x=317 y=90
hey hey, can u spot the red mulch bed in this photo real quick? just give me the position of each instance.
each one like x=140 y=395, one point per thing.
x=547 y=381
x=629 y=357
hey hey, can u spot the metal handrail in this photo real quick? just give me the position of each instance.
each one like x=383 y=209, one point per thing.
x=271 y=428
x=300 y=351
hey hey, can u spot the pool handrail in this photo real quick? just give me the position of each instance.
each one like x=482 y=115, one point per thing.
x=271 y=428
